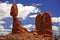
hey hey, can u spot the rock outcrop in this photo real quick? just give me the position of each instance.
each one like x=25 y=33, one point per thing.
x=47 y=24
x=44 y=25
x=17 y=26
x=38 y=23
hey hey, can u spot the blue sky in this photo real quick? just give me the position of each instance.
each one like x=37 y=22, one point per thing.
x=52 y=6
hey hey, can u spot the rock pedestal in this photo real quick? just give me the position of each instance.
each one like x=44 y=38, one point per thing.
x=17 y=26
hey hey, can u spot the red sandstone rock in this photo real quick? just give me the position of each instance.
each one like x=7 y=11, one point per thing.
x=34 y=32
x=38 y=23
x=17 y=26
x=14 y=10
x=47 y=24
x=44 y=24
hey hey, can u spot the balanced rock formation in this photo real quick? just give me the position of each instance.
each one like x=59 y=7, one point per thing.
x=44 y=25
x=17 y=26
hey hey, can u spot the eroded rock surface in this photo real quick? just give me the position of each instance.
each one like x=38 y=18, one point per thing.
x=44 y=25
x=17 y=26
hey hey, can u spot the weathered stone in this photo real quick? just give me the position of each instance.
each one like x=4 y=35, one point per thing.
x=38 y=23
x=14 y=10
x=17 y=26
x=47 y=24
x=34 y=32
x=44 y=25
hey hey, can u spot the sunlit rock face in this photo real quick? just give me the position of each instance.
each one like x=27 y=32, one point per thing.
x=44 y=24
x=17 y=26
x=47 y=24
x=39 y=23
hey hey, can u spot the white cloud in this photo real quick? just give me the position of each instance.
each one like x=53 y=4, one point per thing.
x=39 y=4
x=56 y=19
x=29 y=26
x=23 y=10
x=2 y=22
x=1 y=27
x=36 y=4
x=4 y=10
x=55 y=28
x=3 y=31
x=11 y=26
x=33 y=16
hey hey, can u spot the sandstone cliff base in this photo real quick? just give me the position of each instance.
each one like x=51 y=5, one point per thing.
x=26 y=36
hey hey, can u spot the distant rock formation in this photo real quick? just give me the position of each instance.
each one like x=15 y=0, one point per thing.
x=44 y=25
x=17 y=26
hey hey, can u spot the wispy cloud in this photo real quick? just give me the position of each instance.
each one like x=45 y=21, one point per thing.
x=37 y=4
x=28 y=26
x=2 y=22
x=33 y=16
x=55 y=28
x=4 y=31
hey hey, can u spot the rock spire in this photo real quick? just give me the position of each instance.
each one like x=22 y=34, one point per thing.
x=17 y=26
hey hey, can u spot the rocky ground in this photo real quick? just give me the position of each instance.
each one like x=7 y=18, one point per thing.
x=26 y=36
